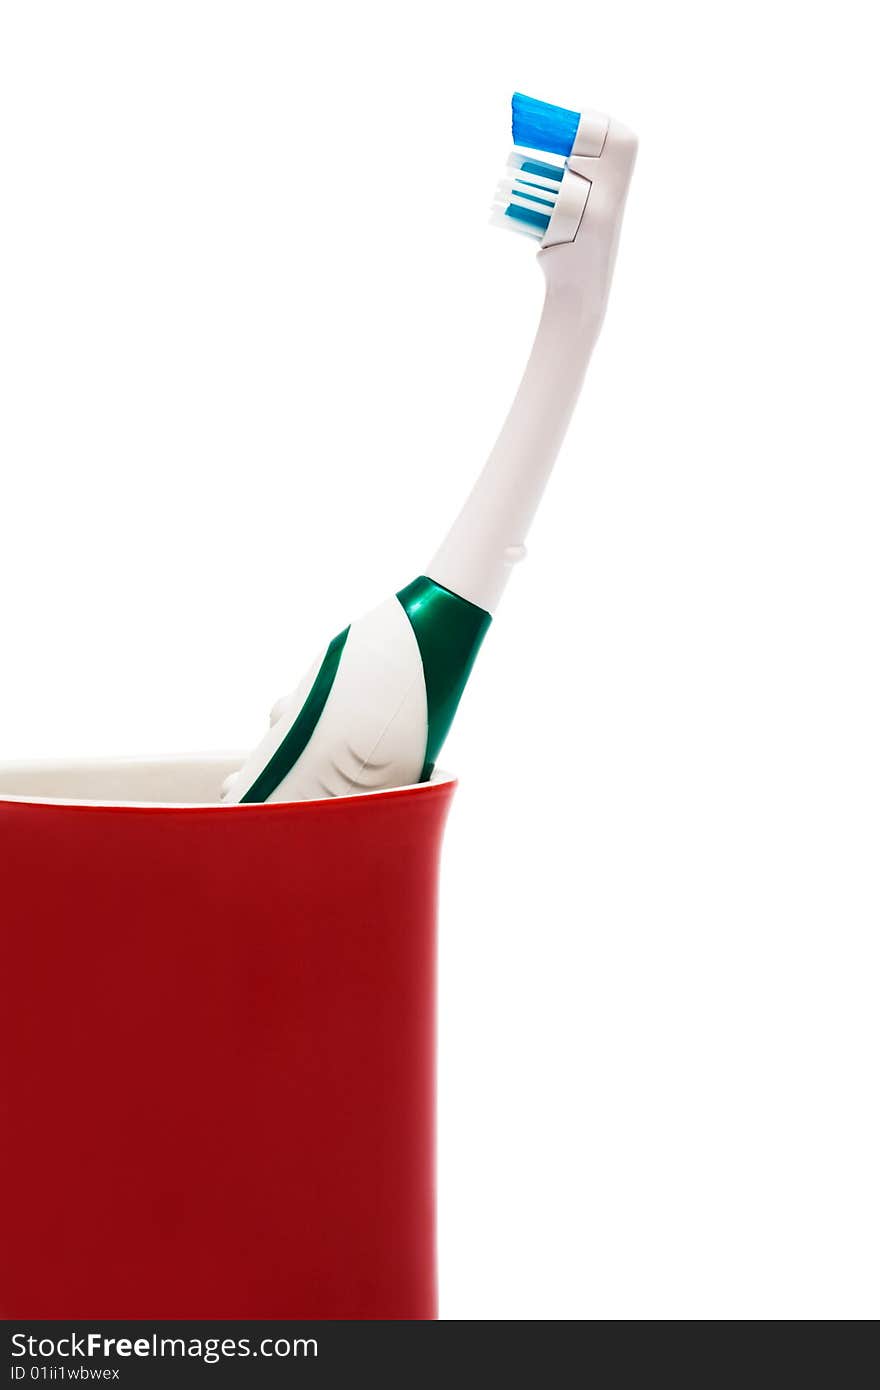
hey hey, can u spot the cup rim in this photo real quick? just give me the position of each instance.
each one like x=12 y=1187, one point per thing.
x=222 y=763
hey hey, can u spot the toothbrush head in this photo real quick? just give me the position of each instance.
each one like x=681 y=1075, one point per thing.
x=549 y=172
x=526 y=197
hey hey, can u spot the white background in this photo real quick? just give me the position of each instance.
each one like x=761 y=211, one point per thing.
x=255 y=341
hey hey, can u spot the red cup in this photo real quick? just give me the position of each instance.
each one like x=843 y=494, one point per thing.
x=217 y=1042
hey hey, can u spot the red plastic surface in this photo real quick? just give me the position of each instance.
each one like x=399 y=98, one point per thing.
x=217 y=1056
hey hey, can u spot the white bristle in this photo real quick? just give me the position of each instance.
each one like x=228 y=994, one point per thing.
x=519 y=154
x=525 y=200
x=526 y=189
x=515 y=174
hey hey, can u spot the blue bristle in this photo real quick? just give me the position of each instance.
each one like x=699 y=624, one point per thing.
x=533 y=198
x=531 y=216
x=546 y=171
x=539 y=126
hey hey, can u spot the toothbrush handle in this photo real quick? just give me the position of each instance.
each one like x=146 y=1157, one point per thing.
x=488 y=537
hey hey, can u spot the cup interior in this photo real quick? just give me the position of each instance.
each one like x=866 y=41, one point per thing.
x=171 y=781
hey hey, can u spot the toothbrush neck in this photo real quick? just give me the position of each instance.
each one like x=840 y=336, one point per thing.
x=488 y=537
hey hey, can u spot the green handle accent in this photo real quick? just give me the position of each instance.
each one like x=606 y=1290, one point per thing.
x=302 y=728
x=449 y=631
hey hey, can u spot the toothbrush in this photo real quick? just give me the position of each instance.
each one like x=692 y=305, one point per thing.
x=376 y=706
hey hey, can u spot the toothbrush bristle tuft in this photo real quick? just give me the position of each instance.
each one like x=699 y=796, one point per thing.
x=526 y=197
x=539 y=126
